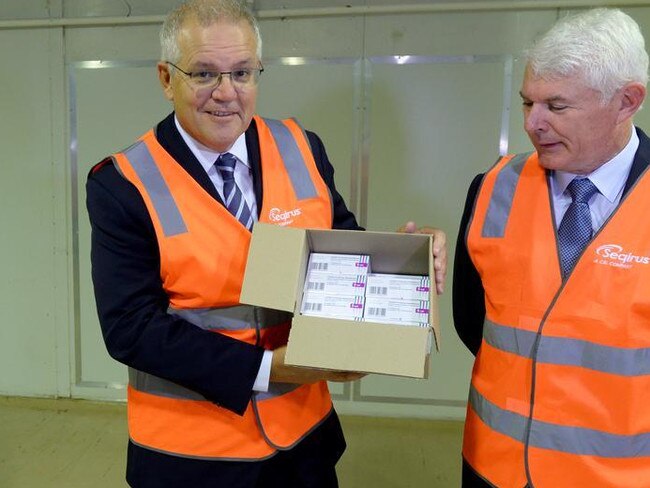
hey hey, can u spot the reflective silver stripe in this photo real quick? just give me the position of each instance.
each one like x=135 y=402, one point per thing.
x=502 y=196
x=293 y=161
x=573 y=440
x=239 y=317
x=148 y=383
x=304 y=134
x=608 y=359
x=569 y=352
x=275 y=390
x=163 y=201
x=508 y=423
x=509 y=339
x=329 y=194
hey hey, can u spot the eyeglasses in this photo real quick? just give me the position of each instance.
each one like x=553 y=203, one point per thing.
x=240 y=78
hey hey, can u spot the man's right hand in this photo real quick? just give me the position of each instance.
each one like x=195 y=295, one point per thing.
x=283 y=373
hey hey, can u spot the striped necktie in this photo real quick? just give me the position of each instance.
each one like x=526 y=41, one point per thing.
x=232 y=194
x=575 y=229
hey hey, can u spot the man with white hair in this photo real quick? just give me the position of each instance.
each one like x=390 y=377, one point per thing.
x=552 y=273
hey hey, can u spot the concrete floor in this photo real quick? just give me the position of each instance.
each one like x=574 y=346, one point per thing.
x=48 y=443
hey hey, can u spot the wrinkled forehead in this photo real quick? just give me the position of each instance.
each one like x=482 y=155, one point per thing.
x=573 y=82
x=220 y=33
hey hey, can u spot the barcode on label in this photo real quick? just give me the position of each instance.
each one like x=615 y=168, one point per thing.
x=379 y=290
x=315 y=285
x=319 y=266
x=317 y=307
x=377 y=312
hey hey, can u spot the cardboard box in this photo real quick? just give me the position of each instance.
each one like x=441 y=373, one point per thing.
x=275 y=276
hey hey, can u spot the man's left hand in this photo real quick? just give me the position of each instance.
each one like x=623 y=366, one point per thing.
x=439 y=251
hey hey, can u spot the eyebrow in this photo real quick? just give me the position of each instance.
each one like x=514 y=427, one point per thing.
x=556 y=98
x=211 y=66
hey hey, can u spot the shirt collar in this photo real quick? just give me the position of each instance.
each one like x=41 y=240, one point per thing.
x=207 y=156
x=610 y=177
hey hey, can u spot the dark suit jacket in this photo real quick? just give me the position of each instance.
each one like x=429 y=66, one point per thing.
x=467 y=289
x=132 y=304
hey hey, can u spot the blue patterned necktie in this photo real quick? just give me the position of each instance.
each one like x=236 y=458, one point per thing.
x=232 y=194
x=575 y=230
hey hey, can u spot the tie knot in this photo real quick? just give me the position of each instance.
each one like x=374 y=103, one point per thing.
x=581 y=190
x=226 y=166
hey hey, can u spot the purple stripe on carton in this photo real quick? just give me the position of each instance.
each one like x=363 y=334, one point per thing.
x=422 y=288
x=421 y=310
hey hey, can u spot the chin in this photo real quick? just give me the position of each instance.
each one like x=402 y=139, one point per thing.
x=552 y=163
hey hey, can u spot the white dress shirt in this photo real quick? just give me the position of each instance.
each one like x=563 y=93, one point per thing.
x=244 y=180
x=609 y=178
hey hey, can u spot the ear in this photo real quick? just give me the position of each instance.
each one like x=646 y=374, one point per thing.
x=165 y=77
x=632 y=96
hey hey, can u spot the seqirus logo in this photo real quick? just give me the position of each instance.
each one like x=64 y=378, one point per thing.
x=283 y=217
x=615 y=255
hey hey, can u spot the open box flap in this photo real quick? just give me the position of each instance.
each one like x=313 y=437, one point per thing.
x=434 y=314
x=276 y=259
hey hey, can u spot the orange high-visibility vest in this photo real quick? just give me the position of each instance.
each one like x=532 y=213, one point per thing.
x=561 y=384
x=203 y=251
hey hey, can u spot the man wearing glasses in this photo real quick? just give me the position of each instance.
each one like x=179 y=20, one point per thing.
x=210 y=400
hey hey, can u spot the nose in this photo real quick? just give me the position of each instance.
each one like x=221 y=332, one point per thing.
x=534 y=118
x=225 y=89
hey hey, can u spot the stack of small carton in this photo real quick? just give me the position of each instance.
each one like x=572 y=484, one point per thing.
x=335 y=285
x=342 y=286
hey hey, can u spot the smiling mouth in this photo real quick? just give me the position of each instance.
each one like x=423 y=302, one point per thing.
x=221 y=113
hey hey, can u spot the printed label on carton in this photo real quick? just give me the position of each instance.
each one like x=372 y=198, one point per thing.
x=398 y=286
x=332 y=305
x=396 y=310
x=339 y=263
x=349 y=284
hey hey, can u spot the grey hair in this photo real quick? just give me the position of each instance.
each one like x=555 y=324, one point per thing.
x=206 y=12
x=605 y=46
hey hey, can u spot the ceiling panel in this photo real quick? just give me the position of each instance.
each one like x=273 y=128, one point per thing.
x=37 y=9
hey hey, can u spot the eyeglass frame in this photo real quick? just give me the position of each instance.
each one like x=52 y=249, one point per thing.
x=219 y=78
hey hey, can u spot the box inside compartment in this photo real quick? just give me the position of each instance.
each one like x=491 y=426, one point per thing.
x=389 y=253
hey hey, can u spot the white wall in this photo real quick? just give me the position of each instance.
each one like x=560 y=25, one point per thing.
x=406 y=137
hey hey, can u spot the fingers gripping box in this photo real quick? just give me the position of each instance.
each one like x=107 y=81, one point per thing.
x=275 y=277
